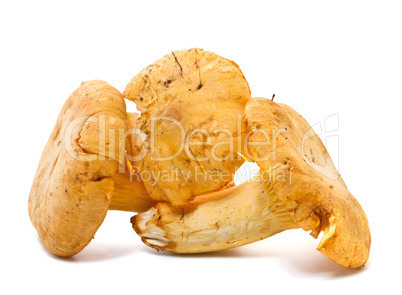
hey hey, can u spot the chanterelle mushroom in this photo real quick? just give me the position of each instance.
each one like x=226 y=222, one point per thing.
x=192 y=104
x=297 y=186
x=77 y=180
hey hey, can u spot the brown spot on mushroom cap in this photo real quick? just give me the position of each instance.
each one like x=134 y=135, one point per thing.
x=195 y=89
x=316 y=196
x=74 y=185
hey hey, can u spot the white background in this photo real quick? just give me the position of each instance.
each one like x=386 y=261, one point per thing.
x=319 y=57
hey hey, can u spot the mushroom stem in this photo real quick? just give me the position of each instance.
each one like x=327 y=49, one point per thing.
x=130 y=194
x=225 y=219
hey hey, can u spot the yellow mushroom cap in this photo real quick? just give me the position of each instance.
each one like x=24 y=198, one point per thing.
x=192 y=104
x=75 y=180
x=314 y=192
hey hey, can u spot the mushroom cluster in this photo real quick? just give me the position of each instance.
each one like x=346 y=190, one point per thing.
x=174 y=166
